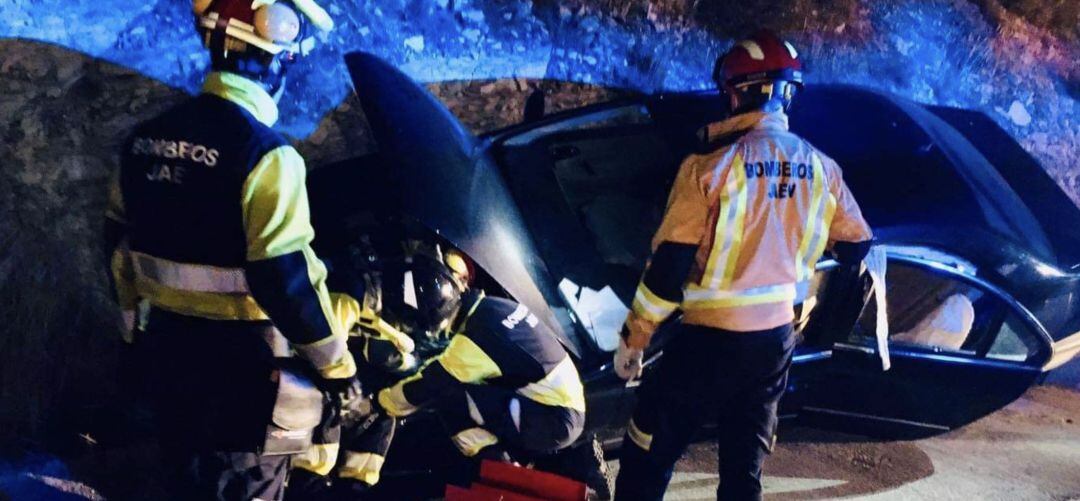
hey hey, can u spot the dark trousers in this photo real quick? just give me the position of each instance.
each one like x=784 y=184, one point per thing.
x=736 y=378
x=212 y=396
x=541 y=429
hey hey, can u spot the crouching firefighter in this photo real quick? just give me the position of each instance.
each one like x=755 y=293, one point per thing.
x=745 y=225
x=351 y=442
x=208 y=223
x=500 y=381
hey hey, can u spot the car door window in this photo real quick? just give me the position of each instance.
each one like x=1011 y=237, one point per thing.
x=931 y=310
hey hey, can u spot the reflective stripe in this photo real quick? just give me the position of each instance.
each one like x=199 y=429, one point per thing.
x=210 y=305
x=650 y=306
x=466 y=362
x=640 y=438
x=470 y=442
x=362 y=466
x=393 y=399
x=474 y=411
x=190 y=277
x=318 y=459
x=561 y=387
x=816 y=231
x=728 y=234
x=696 y=297
x=324 y=354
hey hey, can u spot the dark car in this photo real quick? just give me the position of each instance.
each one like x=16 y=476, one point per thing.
x=983 y=248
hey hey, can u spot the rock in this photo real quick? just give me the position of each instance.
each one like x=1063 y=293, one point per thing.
x=416 y=43
x=1018 y=114
x=471 y=34
x=903 y=46
x=473 y=15
x=590 y=24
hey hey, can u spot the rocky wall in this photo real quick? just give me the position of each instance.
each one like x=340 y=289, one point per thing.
x=75 y=75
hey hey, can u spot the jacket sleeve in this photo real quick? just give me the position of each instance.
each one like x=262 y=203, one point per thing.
x=847 y=224
x=286 y=278
x=118 y=257
x=674 y=247
x=381 y=344
x=463 y=362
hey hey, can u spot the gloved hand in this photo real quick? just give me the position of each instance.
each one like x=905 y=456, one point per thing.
x=628 y=361
x=372 y=326
x=349 y=397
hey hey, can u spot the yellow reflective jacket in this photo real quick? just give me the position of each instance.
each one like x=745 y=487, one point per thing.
x=208 y=217
x=750 y=219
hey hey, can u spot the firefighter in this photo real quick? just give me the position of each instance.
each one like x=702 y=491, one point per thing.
x=745 y=224
x=208 y=223
x=500 y=381
x=351 y=444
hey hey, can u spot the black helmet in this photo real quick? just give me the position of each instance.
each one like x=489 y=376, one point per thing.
x=420 y=296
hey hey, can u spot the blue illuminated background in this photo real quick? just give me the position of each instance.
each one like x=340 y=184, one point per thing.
x=939 y=51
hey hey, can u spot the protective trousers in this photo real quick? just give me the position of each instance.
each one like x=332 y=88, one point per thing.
x=212 y=400
x=488 y=420
x=736 y=378
x=361 y=449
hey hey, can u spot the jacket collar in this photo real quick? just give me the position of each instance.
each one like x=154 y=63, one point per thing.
x=470 y=300
x=744 y=122
x=245 y=93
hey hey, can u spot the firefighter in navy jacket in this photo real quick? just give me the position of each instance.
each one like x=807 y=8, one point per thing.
x=501 y=381
x=208 y=223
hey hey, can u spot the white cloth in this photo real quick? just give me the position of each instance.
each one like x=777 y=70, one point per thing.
x=876 y=264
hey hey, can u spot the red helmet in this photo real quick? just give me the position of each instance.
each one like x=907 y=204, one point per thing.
x=764 y=57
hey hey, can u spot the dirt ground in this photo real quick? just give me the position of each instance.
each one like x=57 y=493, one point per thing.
x=1028 y=451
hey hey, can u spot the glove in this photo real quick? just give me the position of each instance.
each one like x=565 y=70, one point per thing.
x=373 y=327
x=348 y=396
x=628 y=361
x=385 y=355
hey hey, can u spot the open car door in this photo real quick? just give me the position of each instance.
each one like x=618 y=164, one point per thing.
x=960 y=348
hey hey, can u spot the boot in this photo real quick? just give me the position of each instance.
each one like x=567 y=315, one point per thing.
x=304 y=485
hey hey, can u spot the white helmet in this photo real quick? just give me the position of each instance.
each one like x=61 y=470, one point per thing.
x=274 y=26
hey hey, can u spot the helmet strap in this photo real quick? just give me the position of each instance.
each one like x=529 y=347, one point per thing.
x=760 y=96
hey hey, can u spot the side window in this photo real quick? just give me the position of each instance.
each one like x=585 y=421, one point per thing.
x=930 y=310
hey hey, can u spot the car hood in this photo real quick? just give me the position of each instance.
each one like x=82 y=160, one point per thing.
x=447 y=182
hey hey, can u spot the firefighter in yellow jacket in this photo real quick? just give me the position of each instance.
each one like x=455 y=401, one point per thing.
x=744 y=228
x=208 y=223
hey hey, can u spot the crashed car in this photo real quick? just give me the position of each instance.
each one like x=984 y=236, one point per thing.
x=982 y=249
